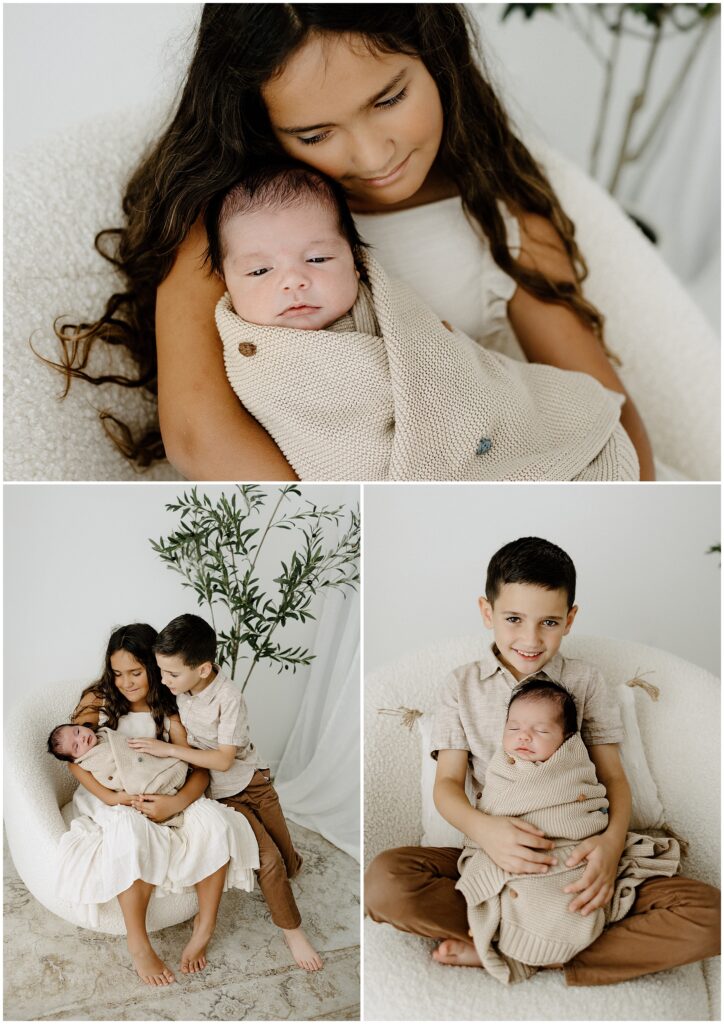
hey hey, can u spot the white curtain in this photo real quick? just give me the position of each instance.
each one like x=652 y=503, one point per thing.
x=318 y=779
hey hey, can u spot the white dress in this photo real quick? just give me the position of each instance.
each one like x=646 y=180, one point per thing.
x=107 y=848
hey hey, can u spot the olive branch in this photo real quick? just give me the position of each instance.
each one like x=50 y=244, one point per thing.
x=216 y=547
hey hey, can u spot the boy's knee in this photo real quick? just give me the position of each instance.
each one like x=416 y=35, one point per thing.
x=384 y=884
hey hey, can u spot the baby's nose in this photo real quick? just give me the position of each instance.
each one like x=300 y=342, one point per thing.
x=295 y=279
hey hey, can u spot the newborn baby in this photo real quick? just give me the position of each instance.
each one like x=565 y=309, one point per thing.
x=542 y=773
x=106 y=754
x=356 y=378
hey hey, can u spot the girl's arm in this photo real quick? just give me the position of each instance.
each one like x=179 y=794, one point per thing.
x=109 y=796
x=207 y=433
x=554 y=335
x=160 y=807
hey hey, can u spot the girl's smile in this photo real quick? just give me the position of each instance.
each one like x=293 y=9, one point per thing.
x=130 y=678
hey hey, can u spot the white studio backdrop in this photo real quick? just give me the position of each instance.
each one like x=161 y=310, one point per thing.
x=78 y=563
x=66 y=62
x=640 y=553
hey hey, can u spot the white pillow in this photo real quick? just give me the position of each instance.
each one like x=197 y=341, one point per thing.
x=647 y=811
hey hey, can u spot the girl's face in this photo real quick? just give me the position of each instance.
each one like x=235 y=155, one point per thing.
x=130 y=676
x=371 y=121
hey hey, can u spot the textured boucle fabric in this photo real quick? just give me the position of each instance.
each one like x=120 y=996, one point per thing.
x=418 y=402
x=519 y=922
x=361 y=316
x=118 y=767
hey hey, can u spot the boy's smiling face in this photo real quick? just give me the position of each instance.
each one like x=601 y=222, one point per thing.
x=528 y=623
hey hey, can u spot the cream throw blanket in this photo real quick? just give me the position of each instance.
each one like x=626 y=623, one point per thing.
x=519 y=922
x=419 y=402
x=118 y=767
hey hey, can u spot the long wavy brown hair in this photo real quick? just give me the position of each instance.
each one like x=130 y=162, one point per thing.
x=136 y=639
x=221 y=123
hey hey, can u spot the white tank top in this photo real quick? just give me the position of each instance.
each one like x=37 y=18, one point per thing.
x=436 y=251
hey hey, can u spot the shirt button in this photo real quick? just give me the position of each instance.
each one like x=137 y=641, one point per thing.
x=478 y=795
x=110 y=778
x=140 y=759
x=247 y=348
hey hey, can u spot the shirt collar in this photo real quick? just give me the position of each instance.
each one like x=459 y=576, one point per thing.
x=209 y=692
x=490 y=664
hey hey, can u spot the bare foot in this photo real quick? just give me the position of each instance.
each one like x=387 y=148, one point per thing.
x=150 y=968
x=302 y=950
x=457 y=953
x=193 y=958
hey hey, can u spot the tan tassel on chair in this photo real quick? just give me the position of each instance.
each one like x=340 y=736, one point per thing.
x=653 y=691
x=683 y=843
x=408 y=715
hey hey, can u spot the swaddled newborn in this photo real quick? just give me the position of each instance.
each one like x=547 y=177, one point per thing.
x=542 y=773
x=106 y=754
x=356 y=378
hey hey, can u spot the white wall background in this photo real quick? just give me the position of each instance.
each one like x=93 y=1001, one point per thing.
x=639 y=551
x=64 y=62
x=78 y=563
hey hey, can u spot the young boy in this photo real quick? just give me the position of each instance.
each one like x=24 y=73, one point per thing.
x=214 y=715
x=529 y=604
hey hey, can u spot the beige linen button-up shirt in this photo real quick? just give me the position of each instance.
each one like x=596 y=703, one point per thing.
x=474 y=698
x=218 y=717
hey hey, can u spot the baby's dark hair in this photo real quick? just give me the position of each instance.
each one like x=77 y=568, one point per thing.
x=541 y=689
x=531 y=560
x=276 y=185
x=189 y=637
x=54 y=742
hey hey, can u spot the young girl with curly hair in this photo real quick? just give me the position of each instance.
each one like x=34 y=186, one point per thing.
x=391 y=102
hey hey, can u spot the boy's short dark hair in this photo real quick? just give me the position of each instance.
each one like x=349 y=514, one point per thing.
x=189 y=637
x=542 y=689
x=54 y=742
x=275 y=185
x=531 y=560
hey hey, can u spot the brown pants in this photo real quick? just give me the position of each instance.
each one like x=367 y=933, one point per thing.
x=673 y=920
x=278 y=860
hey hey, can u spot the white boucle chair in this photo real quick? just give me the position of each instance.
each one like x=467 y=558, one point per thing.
x=681 y=737
x=58 y=194
x=36 y=786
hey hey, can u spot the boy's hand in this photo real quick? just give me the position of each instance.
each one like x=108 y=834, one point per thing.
x=157 y=807
x=595 y=886
x=156 y=747
x=515 y=845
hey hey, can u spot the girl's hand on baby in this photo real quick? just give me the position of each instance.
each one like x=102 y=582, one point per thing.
x=125 y=799
x=156 y=747
x=158 y=807
x=596 y=884
x=515 y=845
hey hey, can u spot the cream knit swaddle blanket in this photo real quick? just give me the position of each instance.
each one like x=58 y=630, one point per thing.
x=419 y=402
x=519 y=922
x=118 y=767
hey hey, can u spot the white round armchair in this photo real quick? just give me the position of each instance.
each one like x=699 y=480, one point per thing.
x=681 y=740
x=36 y=787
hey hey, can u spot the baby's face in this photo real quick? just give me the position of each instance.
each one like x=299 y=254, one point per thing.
x=74 y=740
x=289 y=267
x=533 y=731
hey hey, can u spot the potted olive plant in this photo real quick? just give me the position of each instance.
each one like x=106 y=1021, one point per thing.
x=216 y=548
